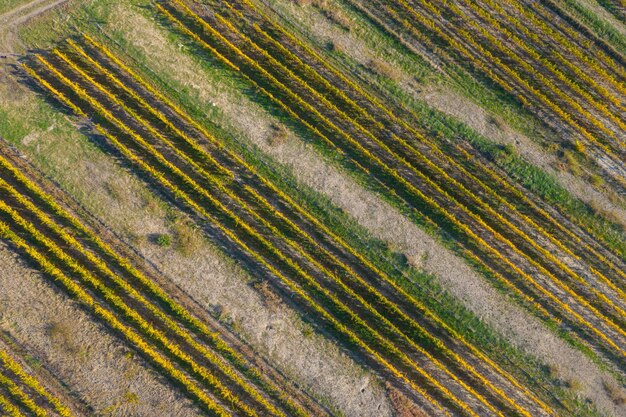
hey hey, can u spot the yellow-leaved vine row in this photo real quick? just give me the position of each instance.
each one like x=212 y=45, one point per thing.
x=116 y=301
x=78 y=293
x=466 y=192
x=488 y=56
x=9 y=407
x=300 y=250
x=31 y=382
x=556 y=224
x=526 y=47
x=286 y=198
x=278 y=102
x=434 y=147
x=128 y=289
x=339 y=92
x=392 y=172
x=214 y=359
x=177 y=192
x=19 y=394
x=421 y=308
x=584 y=56
x=180 y=312
x=440 y=171
x=545 y=30
x=537 y=75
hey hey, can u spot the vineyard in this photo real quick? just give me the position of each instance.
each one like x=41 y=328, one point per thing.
x=431 y=353
x=25 y=394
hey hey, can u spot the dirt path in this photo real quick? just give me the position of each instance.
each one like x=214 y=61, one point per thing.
x=5 y=17
x=11 y=20
x=15 y=18
x=387 y=224
x=35 y=13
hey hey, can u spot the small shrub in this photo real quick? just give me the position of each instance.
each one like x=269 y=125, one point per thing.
x=32 y=361
x=597 y=180
x=303 y=2
x=510 y=149
x=130 y=397
x=553 y=147
x=307 y=330
x=60 y=334
x=580 y=147
x=163 y=240
x=573 y=384
x=572 y=163
x=270 y=297
x=495 y=120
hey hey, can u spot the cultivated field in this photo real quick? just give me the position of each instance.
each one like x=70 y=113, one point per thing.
x=313 y=208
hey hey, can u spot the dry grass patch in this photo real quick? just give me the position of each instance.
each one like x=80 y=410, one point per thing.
x=187 y=238
x=402 y=406
x=335 y=16
x=268 y=295
x=117 y=191
x=384 y=68
x=496 y=120
x=61 y=334
x=278 y=134
x=614 y=392
x=607 y=212
x=329 y=11
x=574 y=384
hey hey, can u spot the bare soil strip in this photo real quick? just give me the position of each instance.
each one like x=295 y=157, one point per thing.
x=435 y=182
x=316 y=365
x=348 y=196
x=61 y=335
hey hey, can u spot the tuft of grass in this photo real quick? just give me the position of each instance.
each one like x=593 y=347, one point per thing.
x=572 y=163
x=61 y=334
x=130 y=397
x=385 y=69
x=162 y=240
x=32 y=361
x=615 y=393
x=573 y=384
x=188 y=239
x=278 y=135
x=596 y=180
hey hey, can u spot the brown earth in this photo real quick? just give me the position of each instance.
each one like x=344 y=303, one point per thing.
x=385 y=223
x=124 y=204
x=98 y=368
